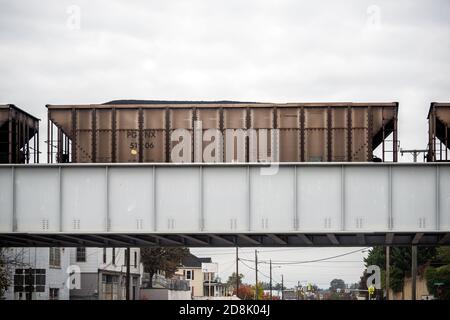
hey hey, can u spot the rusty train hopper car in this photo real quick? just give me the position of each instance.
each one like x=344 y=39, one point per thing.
x=19 y=135
x=438 y=132
x=142 y=131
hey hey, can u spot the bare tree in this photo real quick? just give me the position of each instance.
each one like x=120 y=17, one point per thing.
x=9 y=259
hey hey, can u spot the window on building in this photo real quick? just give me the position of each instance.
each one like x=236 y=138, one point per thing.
x=135 y=259
x=189 y=274
x=104 y=255
x=55 y=257
x=29 y=280
x=81 y=254
x=108 y=278
x=53 y=294
x=114 y=256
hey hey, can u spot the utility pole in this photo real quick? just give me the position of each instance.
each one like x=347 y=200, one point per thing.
x=256 y=274
x=237 y=271
x=29 y=284
x=209 y=285
x=298 y=291
x=270 y=279
x=282 y=287
x=413 y=271
x=388 y=267
x=127 y=279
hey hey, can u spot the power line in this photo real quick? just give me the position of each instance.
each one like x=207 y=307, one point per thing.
x=252 y=268
x=309 y=266
x=309 y=261
x=243 y=251
x=340 y=261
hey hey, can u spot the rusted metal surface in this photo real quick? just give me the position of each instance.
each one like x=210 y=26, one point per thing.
x=143 y=132
x=18 y=135
x=438 y=132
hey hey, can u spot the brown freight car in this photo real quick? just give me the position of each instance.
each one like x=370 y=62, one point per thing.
x=143 y=131
x=19 y=135
x=438 y=132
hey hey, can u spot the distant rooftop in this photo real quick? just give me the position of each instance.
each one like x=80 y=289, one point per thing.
x=192 y=261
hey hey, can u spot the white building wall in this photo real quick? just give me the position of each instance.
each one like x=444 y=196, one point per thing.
x=96 y=265
x=94 y=260
x=56 y=277
x=38 y=258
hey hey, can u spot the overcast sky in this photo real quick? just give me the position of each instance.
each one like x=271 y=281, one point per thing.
x=60 y=52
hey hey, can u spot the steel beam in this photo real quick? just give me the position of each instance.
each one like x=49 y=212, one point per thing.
x=269 y=210
x=445 y=239
x=333 y=239
x=389 y=238
x=194 y=239
x=276 y=239
x=75 y=239
x=221 y=239
x=417 y=238
x=167 y=239
x=249 y=239
x=361 y=238
x=305 y=239
x=137 y=239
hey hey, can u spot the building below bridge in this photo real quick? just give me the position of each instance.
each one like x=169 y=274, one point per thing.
x=95 y=273
x=103 y=273
x=37 y=273
x=202 y=284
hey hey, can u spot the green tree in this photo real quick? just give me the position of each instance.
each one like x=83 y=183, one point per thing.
x=164 y=259
x=438 y=281
x=443 y=255
x=231 y=282
x=400 y=263
x=336 y=284
x=260 y=290
x=438 y=274
x=277 y=287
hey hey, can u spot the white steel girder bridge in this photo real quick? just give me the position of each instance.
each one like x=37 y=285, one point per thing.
x=220 y=205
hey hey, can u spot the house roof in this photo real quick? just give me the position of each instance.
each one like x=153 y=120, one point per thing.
x=192 y=261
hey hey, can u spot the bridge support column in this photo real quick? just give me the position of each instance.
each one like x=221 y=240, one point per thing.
x=413 y=272
x=127 y=279
x=387 y=271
